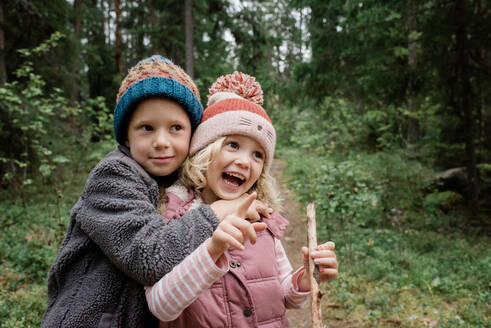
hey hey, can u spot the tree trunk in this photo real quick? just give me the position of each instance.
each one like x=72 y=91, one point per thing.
x=413 y=128
x=480 y=99
x=76 y=58
x=300 y=42
x=3 y=67
x=464 y=101
x=100 y=71
x=188 y=26
x=140 y=37
x=117 y=44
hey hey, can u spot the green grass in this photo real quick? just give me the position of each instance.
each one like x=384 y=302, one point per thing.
x=31 y=234
x=409 y=267
x=419 y=277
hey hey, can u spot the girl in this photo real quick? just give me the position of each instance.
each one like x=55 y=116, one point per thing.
x=231 y=280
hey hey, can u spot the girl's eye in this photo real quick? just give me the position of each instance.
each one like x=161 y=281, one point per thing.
x=233 y=145
x=258 y=155
x=147 y=127
x=176 y=127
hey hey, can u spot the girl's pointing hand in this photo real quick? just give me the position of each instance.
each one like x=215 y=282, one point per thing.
x=233 y=230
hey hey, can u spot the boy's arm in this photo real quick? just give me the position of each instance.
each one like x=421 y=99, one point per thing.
x=119 y=214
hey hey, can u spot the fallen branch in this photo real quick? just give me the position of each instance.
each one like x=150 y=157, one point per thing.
x=313 y=270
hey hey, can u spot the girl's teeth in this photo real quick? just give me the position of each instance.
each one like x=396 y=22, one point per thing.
x=230 y=183
x=232 y=179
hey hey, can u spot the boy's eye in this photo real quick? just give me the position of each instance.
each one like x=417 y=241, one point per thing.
x=147 y=127
x=176 y=127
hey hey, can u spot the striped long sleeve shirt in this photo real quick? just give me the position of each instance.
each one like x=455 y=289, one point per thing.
x=197 y=272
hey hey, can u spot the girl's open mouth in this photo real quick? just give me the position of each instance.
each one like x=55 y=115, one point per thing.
x=233 y=179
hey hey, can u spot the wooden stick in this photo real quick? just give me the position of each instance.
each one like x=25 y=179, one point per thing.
x=313 y=270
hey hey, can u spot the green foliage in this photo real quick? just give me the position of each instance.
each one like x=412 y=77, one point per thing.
x=32 y=118
x=357 y=49
x=32 y=232
x=341 y=93
x=99 y=119
x=336 y=125
x=40 y=127
x=364 y=190
x=330 y=126
x=95 y=152
x=23 y=308
x=402 y=62
x=411 y=281
x=485 y=172
x=30 y=259
x=25 y=25
x=445 y=200
x=401 y=262
x=215 y=56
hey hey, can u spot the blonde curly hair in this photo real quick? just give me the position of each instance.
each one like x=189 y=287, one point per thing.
x=193 y=175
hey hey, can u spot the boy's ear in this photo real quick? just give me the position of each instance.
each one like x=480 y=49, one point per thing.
x=127 y=143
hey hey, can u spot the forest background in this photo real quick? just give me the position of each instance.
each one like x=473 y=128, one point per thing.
x=382 y=110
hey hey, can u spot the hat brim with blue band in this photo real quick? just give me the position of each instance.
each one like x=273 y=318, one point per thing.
x=151 y=88
x=155 y=77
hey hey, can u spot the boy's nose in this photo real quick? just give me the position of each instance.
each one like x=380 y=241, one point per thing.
x=161 y=140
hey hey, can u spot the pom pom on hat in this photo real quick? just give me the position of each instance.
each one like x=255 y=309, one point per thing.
x=239 y=83
x=155 y=76
x=234 y=107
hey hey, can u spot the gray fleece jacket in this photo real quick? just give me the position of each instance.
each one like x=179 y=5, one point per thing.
x=115 y=244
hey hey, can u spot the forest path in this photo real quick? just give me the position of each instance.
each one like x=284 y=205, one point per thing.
x=295 y=237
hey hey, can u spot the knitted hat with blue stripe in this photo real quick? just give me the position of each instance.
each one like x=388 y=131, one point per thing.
x=155 y=77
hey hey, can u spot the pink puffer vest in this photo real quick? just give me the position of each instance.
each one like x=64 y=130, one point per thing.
x=250 y=294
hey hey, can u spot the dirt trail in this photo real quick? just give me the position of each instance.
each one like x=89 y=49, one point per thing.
x=295 y=237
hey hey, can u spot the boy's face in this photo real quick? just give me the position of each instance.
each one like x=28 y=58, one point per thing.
x=235 y=169
x=159 y=132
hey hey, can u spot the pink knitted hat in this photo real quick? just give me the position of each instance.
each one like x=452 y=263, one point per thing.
x=234 y=108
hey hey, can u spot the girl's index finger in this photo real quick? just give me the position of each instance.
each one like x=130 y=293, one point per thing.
x=244 y=206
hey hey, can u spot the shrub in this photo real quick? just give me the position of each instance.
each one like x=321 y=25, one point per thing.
x=33 y=118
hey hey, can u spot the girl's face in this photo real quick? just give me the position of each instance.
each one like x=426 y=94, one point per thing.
x=234 y=170
x=159 y=132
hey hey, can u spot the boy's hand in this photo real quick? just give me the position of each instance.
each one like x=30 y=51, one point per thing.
x=325 y=258
x=256 y=209
x=233 y=230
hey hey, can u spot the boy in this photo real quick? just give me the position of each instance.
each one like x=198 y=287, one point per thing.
x=116 y=241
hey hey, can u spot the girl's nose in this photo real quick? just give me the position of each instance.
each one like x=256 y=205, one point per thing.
x=243 y=160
